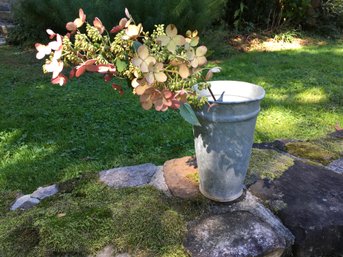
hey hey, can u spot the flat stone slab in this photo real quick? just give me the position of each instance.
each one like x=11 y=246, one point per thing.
x=44 y=192
x=336 y=166
x=181 y=176
x=311 y=206
x=159 y=182
x=131 y=176
x=241 y=229
x=24 y=202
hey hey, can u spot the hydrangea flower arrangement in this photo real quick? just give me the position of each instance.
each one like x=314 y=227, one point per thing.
x=162 y=66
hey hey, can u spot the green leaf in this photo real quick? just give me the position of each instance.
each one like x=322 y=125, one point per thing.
x=188 y=114
x=121 y=65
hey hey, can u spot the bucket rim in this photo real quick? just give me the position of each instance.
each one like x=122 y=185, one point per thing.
x=247 y=100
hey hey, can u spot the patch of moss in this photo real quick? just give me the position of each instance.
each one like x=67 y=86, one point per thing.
x=331 y=145
x=141 y=221
x=267 y=163
x=311 y=151
x=194 y=177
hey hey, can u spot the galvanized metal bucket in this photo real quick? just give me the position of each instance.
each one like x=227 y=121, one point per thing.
x=224 y=140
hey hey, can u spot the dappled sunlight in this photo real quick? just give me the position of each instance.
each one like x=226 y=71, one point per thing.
x=277 y=122
x=312 y=95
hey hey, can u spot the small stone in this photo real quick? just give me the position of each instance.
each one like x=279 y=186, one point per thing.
x=108 y=251
x=336 y=166
x=44 y=192
x=24 y=202
x=130 y=176
x=159 y=182
x=245 y=228
x=181 y=177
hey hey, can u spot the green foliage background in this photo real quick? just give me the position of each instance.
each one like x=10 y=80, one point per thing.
x=34 y=16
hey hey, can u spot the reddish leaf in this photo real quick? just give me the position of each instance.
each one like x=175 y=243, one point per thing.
x=118 y=88
x=72 y=73
x=80 y=71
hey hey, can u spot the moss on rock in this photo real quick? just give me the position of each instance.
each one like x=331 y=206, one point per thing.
x=267 y=163
x=312 y=151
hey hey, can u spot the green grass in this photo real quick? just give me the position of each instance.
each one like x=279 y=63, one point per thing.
x=53 y=134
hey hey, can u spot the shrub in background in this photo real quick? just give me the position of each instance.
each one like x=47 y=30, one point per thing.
x=33 y=16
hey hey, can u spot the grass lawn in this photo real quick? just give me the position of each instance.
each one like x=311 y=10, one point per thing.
x=53 y=134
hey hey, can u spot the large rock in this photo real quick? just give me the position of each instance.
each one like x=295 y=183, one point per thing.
x=242 y=229
x=24 y=202
x=44 y=192
x=181 y=176
x=131 y=176
x=310 y=198
x=336 y=166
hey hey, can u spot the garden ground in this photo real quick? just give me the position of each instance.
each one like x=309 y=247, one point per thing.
x=54 y=134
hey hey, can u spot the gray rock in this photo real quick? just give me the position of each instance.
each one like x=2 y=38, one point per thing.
x=131 y=176
x=336 y=166
x=24 y=202
x=44 y=192
x=313 y=207
x=159 y=182
x=108 y=251
x=244 y=228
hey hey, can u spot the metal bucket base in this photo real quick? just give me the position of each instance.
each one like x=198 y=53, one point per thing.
x=222 y=200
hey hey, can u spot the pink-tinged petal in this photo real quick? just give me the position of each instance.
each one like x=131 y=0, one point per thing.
x=40 y=55
x=72 y=73
x=175 y=104
x=98 y=24
x=128 y=15
x=164 y=40
x=71 y=26
x=202 y=60
x=58 y=53
x=167 y=93
x=150 y=60
x=144 y=67
x=137 y=61
x=78 y=22
x=141 y=89
x=57 y=70
x=146 y=105
x=60 y=79
x=143 y=52
x=184 y=71
x=195 y=63
x=89 y=62
x=123 y=22
x=158 y=66
x=118 y=88
x=82 y=15
x=209 y=75
x=160 y=77
x=80 y=71
x=201 y=51
x=54 y=45
x=171 y=30
x=179 y=40
x=167 y=102
x=135 y=83
x=116 y=29
x=171 y=46
x=51 y=33
x=149 y=77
